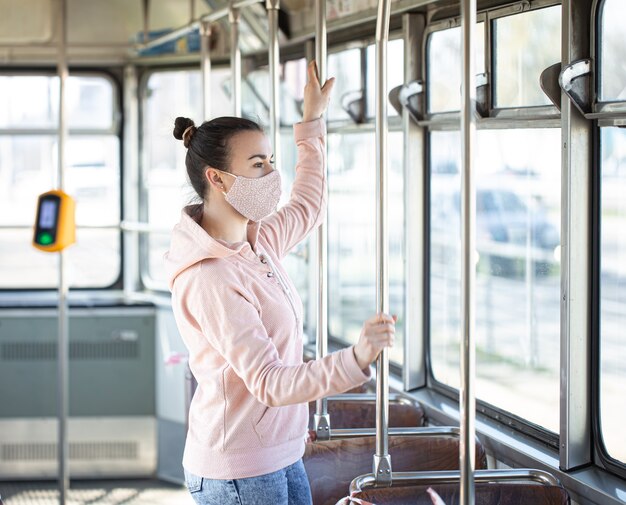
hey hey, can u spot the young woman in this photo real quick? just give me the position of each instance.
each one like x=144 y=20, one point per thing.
x=239 y=314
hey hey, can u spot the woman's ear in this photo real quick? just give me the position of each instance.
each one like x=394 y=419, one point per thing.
x=215 y=179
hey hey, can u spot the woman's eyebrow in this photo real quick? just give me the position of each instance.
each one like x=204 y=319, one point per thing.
x=262 y=156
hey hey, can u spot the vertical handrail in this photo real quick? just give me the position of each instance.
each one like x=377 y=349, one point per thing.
x=131 y=181
x=467 y=400
x=63 y=322
x=234 y=16
x=322 y=418
x=382 y=459
x=205 y=65
x=274 y=62
x=145 y=11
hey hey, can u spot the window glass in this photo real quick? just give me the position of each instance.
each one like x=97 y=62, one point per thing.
x=29 y=102
x=93 y=179
x=255 y=96
x=256 y=93
x=297 y=261
x=612 y=48
x=517 y=275
x=613 y=292
x=352 y=235
x=444 y=67
x=164 y=177
x=525 y=45
x=93 y=261
x=90 y=102
x=292 y=91
x=345 y=67
x=395 y=74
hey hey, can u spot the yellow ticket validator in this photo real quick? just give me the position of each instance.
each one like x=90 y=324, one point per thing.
x=55 y=228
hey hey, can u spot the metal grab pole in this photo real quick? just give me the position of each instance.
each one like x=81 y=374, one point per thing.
x=274 y=61
x=322 y=418
x=235 y=60
x=63 y=329
x=382 y=459
x=205 y=62
x=467 y=400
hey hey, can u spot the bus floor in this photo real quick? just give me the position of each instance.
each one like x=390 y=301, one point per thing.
x=88 y=492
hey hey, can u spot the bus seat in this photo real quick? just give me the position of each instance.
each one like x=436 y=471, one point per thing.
x=492 y=493
x=331 y=465
x=363 y=414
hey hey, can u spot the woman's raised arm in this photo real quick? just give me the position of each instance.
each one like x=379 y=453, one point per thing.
x=306 y=208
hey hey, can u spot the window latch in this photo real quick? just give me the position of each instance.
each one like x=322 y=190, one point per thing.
x=575 y=81
x=409 y=97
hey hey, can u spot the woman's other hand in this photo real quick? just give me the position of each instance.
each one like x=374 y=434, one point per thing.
x=316 y=97
x=378 y=332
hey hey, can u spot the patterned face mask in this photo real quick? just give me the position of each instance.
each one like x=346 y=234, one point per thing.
x=254 y=198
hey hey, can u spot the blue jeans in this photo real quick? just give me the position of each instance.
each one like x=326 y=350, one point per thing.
x=288 y=486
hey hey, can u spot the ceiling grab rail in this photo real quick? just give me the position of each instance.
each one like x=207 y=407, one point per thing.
x=193 y=25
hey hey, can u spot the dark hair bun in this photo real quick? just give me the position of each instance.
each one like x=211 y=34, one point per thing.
x=184 y=128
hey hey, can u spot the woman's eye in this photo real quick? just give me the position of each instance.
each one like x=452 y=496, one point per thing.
x=272 y=161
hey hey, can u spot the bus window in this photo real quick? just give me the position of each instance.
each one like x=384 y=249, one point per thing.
x=395 y=73
x=352 y=236
x=518 y=273
x=444 y=67
x=28 y=164
x=612 y=292
x=165 y=188
x=525 y=45
x=345 y=66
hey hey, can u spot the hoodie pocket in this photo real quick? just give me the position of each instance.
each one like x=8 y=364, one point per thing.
x=279 y=425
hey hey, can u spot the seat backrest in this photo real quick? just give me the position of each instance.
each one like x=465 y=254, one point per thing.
x=486 y=494
x=332 y=465
x=345 y=414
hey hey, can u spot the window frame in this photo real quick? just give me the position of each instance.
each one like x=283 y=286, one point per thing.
x=488 y=17
x=611 y=114
x=115 y=129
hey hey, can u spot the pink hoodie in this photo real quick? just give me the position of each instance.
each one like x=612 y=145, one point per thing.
x=241 y=319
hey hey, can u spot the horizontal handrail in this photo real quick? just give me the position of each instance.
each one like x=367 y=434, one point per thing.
x=368 y=481
x=143 y=227
x=193 y=25
x=429 y=431
x=368 y=397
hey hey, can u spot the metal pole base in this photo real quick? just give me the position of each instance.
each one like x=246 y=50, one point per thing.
x=322 y=426
x=382 y=470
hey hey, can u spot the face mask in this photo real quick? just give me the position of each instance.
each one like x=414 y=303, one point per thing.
x=255 y=198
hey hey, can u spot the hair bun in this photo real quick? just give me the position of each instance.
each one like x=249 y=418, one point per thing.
x=184 y=129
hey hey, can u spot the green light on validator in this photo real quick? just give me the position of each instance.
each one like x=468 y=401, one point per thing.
x=45 y=239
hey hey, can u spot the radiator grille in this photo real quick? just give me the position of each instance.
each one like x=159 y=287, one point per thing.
x=78 y=451
x=81 y=350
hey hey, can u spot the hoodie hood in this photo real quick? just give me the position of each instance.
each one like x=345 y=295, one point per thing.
x=190 y=244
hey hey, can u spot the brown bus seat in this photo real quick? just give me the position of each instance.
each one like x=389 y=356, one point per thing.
x=486 y=494
x=331 y=465
x=344 y=414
